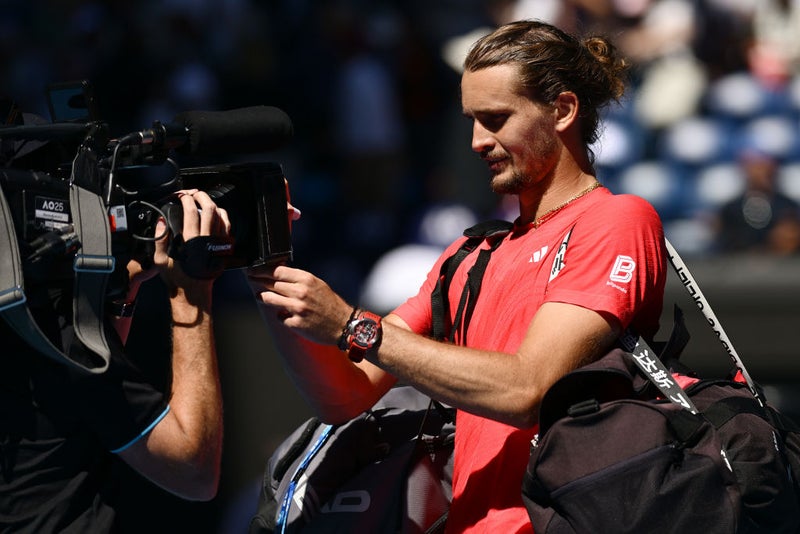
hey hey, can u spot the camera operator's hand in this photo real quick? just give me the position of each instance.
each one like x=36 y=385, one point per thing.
x=216 y=223
x=201 y=217
x=137 y=274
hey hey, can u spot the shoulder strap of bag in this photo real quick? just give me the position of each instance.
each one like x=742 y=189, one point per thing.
x=93 y=266
x=286 y=502
x=645 y=357
x=494 y=231
x=688 y=282
x=651 y=365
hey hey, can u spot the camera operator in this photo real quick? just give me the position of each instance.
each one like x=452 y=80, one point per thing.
x=62 y=432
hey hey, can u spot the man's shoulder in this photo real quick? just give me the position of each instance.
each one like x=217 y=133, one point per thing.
x=611 y=214
x=622 y=204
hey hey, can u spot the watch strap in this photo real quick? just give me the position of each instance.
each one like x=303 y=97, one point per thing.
x=344 y=339
x=356 y=351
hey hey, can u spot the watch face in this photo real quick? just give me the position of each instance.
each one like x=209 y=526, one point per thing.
x=365 y=332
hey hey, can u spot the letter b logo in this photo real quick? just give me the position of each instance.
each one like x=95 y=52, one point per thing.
x=623 y=269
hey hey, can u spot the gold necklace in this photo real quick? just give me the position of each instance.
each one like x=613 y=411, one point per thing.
x=548 y=214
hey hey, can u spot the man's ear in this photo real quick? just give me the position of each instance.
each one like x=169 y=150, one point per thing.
x=567 y=107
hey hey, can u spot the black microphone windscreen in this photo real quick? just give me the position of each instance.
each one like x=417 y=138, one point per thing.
x=245 y=130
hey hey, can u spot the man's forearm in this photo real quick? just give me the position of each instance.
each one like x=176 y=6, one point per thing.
x=334 y=388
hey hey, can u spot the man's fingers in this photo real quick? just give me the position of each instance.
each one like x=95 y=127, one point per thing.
x=275 y=300
x=282 y=282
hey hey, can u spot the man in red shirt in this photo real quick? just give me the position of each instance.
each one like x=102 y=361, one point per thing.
x=579 y=266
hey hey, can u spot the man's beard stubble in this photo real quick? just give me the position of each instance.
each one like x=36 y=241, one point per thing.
x=513 y=185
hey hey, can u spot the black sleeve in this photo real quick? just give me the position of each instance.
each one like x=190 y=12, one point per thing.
x=122 y=403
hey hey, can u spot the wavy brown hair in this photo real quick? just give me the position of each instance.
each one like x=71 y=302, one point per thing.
x=551 y=61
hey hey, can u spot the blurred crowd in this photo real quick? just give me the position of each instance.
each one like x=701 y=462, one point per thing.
x=380 y=163
x=372 y=89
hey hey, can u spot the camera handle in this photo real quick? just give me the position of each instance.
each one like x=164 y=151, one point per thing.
x=92 y=272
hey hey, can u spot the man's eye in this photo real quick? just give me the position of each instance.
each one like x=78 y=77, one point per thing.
x=493 y=122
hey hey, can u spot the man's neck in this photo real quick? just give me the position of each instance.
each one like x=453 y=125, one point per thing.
x=553 y=194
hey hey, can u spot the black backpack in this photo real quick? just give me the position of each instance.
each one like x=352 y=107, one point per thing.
x=388 y=470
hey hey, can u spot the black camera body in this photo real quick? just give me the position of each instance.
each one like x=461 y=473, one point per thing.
x=253 y=195
x=77 y=150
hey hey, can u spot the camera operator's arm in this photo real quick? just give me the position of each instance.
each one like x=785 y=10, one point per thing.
x=136 y=275
x=183 y=450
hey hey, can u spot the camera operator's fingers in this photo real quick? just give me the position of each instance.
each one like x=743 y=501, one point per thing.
x=191 y=217
x=224 y=222
x=160 y=256
x=137 y=273
x=209 y=216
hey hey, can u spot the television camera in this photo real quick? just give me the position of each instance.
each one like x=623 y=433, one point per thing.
x=77 y=200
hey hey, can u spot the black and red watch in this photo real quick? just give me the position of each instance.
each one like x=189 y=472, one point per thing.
x=361 y=333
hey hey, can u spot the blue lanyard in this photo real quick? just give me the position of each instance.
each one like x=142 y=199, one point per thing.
x=286 y=503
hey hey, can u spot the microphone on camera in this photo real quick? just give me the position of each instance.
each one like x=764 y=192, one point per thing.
x=237 y=131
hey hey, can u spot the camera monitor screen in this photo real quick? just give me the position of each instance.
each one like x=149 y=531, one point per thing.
x=254 y=195
x=71 y=102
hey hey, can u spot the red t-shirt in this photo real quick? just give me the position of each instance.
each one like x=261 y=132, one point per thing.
x=606 y=253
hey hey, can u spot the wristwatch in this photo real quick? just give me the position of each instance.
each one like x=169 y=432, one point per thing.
x=361 y=333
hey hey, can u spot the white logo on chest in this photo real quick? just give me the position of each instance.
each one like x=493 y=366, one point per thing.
x=558 y=261
x=537 y=256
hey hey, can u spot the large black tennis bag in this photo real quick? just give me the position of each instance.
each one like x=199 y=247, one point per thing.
x=613 y=456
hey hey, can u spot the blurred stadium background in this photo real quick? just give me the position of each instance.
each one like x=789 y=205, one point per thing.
x=381 y=167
